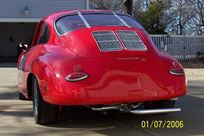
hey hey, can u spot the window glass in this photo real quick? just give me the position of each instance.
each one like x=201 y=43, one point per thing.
x=131 y=21
x=101 y=19
x=72 y=22
x=68 y=23
x=44 y=34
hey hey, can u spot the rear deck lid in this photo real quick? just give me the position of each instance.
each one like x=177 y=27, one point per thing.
x=110 y=42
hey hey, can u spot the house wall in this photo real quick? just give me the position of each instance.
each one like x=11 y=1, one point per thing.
x=18 y=19
x=11 y=10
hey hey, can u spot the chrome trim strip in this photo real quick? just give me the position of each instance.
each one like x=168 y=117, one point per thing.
x=121 y=20
x=133 y=58
x=155 y=111
x=84 y=20
x=55 y=29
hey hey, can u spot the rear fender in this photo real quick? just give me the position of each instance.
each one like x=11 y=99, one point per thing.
x=40 y=72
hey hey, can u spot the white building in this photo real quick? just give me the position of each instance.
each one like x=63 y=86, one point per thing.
x=18 y=19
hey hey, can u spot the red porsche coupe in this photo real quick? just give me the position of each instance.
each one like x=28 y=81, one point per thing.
x=98 y=59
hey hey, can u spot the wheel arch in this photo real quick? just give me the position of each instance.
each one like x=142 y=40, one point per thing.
x=42 y=78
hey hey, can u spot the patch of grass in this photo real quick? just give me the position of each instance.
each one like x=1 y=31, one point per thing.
x=200 y=56
x=193 y=63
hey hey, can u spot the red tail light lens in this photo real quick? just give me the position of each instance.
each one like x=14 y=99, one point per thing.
x=76 y=76
x=177 y=72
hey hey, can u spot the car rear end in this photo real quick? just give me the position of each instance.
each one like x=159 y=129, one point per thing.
x=114 y=64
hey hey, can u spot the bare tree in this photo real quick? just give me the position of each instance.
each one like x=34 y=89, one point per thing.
x=115 y=5
x=197 y=22
x=178 y=15
x=141 y=5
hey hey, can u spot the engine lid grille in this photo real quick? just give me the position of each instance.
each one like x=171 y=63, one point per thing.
x=131 y=40
x=107 y=41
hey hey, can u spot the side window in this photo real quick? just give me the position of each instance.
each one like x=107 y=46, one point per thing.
x=44 y=34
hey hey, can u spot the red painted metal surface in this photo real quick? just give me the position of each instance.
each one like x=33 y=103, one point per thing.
x=113 y=77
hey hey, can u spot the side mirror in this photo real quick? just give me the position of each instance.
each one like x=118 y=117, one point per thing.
x=23 y=46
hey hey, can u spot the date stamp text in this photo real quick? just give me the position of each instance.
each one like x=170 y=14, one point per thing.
x=171 y=124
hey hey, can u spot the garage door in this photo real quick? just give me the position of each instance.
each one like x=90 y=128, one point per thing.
x=11 y=35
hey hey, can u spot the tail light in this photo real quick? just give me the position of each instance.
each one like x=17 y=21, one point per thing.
x=76 y=76
x=177 y=72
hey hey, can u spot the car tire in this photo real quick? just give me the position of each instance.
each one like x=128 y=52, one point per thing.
x=21 y=96
x=159 y=104
x=44 y=113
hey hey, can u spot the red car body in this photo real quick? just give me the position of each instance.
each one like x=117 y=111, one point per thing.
x=102 y=77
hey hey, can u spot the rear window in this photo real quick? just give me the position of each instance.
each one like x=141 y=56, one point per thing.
x=101 y=19
x=131 y=21
x=68 y=23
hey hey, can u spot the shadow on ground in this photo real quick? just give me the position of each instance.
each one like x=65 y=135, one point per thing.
x=8 y=92
x=7 y=65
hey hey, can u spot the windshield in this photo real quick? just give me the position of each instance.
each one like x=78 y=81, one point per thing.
x=71 y=22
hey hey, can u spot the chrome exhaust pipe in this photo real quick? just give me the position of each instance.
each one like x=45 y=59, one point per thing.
x=105 y=108
x=154 y=111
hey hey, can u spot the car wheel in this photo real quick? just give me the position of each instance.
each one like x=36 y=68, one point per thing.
x=159 y=104
x=21 y=96
x=44 y=112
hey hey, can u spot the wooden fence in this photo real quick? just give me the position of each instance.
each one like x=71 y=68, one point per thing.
x=181 y=47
